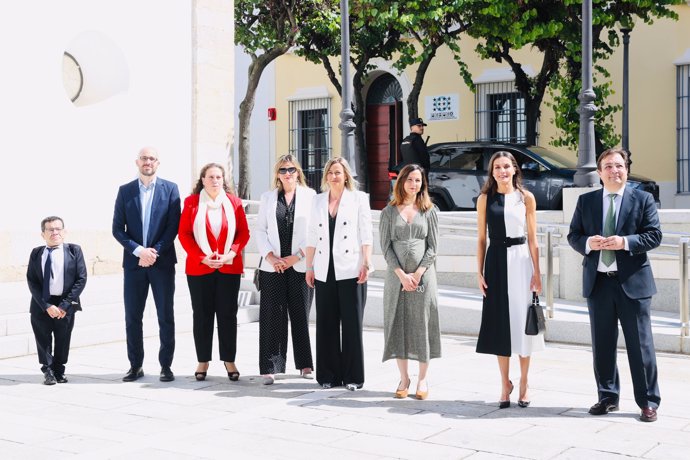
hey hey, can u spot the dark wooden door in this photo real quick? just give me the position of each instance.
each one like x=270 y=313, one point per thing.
x=384 y=134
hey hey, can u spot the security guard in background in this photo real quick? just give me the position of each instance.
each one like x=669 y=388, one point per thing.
x=413 y=147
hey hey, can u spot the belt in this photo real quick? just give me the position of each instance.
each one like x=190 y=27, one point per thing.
x=507 y=242
x=608 y=274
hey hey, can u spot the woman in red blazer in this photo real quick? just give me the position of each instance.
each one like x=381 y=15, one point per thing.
x=213 y=231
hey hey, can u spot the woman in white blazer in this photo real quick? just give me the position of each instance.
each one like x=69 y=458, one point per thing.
x=339 y=246
x=281 y=236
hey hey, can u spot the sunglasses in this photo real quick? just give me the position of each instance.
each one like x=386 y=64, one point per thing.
x=291 y=170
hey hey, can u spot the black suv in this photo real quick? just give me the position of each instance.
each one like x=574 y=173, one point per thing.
x=459 y=170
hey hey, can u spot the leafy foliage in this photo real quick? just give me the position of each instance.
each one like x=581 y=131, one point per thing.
x=266 y=29
x=554 y=27
x=374 y=33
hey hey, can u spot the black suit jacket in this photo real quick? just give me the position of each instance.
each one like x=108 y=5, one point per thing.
x=75 y=279
x=638 y=221
x=165 y=219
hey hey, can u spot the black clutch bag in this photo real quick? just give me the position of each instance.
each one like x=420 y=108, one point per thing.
x=256 y=275
x=535 y=323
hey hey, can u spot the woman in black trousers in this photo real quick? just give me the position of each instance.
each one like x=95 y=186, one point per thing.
x=339 y=244
x=281 y=237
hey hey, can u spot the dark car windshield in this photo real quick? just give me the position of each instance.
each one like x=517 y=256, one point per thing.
x=553 y=158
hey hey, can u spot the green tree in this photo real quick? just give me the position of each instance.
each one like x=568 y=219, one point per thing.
x=266 y=29
x=566 y=87
x=374 y=33
x=432 y=24
x=554 y=28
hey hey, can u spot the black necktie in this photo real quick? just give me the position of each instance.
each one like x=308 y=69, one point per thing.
x=47 y=274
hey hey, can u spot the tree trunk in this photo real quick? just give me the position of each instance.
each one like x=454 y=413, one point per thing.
x=255 y=71
x=532 y=113
x=413 y=97
x=360 y=137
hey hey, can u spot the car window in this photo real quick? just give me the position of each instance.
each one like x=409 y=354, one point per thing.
x=467 y=159
x=553 y=158
x=526 y=163
x=439 y=158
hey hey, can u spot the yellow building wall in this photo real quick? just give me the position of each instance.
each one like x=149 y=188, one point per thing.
x=652 y=79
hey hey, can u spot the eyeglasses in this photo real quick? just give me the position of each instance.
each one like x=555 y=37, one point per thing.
x=53 y=230
x=291 y=170
x=145 y=159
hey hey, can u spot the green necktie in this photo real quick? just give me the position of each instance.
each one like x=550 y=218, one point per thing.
x=607 y=256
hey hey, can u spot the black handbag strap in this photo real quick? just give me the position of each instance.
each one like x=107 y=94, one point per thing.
x=535 y=298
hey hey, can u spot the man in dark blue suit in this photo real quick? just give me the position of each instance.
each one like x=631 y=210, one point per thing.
x=145 y=222
x=56 y=276
x=614 y=228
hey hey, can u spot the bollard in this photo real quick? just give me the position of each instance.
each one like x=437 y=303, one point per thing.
x=683 y=283
x=549 y=272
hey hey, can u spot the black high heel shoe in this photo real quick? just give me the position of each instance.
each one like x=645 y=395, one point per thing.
x=506 y=404
x=201 y=376
x=524 y=402
x=234 y=376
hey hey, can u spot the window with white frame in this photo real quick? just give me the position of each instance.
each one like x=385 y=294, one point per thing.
x=310 y=136
x=683 y=127
x=500 y=113
x=499 y=108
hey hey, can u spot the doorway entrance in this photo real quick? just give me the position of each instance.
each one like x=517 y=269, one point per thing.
x=383 y=134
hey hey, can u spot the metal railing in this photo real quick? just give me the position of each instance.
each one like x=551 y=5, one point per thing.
x=550 y=235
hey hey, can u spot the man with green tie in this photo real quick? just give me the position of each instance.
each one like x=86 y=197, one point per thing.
x=614 y=228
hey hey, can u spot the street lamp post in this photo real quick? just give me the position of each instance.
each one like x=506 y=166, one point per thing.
x=625 y=30
x=347 y=124
x=586 y=160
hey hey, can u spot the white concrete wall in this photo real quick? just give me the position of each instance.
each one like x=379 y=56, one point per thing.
x=67 y=160
x=213 y=93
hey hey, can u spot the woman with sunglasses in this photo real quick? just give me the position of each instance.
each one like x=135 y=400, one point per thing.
x=281 y=237
x=409 y=237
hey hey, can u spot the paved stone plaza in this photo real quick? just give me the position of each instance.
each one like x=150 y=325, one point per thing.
x=97 y=416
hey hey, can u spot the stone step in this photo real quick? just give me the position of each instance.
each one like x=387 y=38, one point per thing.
x=102 y=319
x=460 y=313
x=97 y=332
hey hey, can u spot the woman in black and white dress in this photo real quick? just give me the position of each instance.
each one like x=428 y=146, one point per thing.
x=281 y=236
x=508 y=271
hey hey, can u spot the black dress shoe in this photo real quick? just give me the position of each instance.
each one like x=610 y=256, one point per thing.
x=648 y=414
x=49 y=378
x=603 y=407
x=166 y=374
x=60 y=378
x=134 y=373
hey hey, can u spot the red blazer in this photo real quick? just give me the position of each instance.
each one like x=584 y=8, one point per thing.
x=194 y=266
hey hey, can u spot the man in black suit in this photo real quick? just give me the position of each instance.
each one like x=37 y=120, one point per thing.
x=56 y=276
x=145 y=222
x=614 y=228
x=413 y=147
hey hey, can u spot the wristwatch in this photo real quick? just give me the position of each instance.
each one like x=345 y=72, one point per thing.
x=299 y=255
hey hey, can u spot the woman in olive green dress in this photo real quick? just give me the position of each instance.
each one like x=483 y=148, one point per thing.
x=409 y=235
